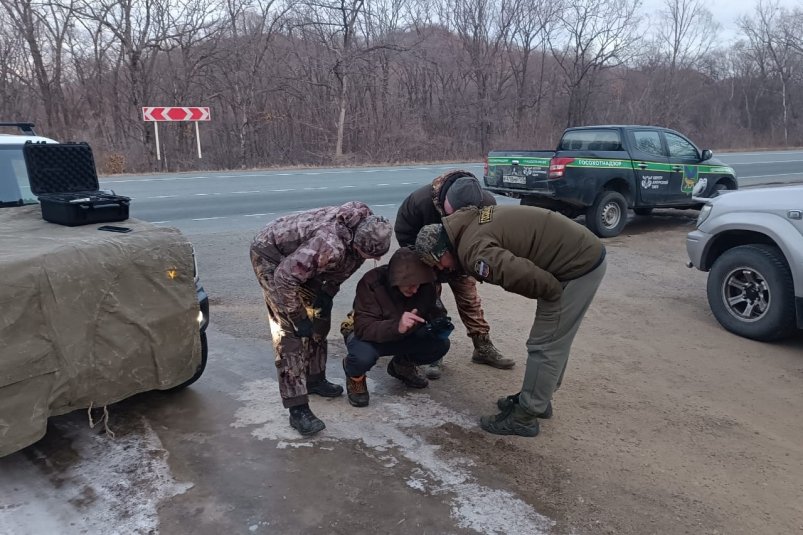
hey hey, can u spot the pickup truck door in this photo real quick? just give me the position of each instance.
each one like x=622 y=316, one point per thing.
x=684 y=159
x=651 y=166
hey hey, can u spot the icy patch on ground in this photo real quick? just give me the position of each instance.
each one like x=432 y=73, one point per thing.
x=390 y=422
x=114 y=486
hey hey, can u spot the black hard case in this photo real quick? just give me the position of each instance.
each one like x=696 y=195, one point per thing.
x=63 y=177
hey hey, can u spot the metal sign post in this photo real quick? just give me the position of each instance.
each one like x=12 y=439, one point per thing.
x=172 y=114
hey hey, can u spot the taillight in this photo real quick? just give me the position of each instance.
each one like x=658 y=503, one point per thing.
x=485 y=171
x=557 y=166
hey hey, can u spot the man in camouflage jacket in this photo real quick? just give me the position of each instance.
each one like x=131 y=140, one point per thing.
x=427 y=205
x=300 y=261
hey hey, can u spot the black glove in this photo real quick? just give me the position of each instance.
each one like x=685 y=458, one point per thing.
x=303 y=328
x=323 y=302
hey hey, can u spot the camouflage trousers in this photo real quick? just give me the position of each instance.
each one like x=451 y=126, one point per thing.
x=468 y=304
x=298 y=360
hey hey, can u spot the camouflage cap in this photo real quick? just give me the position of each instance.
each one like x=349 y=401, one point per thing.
x=432 y=243
x=372 y=236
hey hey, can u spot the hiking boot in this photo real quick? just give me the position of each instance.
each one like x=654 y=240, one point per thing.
x=303 y=421
x=433 y=371
x=511 y=422
x=507 y=402
x=486 y=353
x=324 y=388
x=356 y=389
x=406 y=372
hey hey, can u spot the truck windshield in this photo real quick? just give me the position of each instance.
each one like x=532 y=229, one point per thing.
x=605 y=140
x=14 y=186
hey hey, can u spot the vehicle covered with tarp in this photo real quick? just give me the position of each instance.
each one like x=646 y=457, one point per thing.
x=89 y=317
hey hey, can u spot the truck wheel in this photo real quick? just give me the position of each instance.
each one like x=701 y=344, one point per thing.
x=199 y=371
x=608 y=215
x=642 y=211
x=751 y=292
x=718 y=188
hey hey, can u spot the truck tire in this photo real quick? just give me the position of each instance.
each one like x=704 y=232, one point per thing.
x=199 y=371
x=608 y=215
x=751 y=292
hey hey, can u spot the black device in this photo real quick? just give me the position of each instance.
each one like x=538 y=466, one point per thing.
x=439 y=328
x=64 y=178
x=112 y=228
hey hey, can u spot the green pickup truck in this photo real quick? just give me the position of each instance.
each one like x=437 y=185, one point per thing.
x=601 y=171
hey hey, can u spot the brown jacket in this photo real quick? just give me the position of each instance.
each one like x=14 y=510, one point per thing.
x=379 y=305
x=524 y=249
x=424 y=206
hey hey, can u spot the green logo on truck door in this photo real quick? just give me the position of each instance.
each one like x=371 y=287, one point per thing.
x=690 y=178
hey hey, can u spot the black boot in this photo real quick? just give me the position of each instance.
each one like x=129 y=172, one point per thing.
x=507 y=403
x=406 y=372
x=303 y=421
x=324 y=388
x=513 y=422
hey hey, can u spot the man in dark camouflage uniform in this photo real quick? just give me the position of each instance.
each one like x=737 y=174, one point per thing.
x=427 y=205
x=300 y=262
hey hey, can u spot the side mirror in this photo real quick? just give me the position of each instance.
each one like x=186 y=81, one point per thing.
x=707 y=155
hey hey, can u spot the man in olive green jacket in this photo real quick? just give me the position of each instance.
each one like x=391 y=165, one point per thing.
x=536 y=253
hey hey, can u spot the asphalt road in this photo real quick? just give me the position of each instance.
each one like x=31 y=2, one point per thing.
x=239 y=200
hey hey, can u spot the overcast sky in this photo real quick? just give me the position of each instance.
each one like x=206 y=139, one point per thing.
x=725 y=12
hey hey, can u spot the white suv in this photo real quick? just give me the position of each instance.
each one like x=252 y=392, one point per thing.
x=751 y=242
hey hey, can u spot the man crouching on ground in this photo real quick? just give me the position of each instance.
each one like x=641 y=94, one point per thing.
x=396 y=312
x=536 y=253
x=300 y=261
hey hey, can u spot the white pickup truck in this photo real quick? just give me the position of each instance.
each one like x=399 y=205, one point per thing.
x=751 y=242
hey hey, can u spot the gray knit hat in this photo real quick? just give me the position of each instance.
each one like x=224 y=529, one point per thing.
x=372 y=236
x=464 y=191
x=432 y=243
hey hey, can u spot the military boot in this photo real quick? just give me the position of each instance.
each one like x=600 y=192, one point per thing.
x=486 y=353
x=433 y=371
x=323 y=387
x=515 y=421
x=303 y=421
x=406 y=372
x=356 y=389
x=507 y=402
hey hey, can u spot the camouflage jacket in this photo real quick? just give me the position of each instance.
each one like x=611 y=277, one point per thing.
x=311 y=251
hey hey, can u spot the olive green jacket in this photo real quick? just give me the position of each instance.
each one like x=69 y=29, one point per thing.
x=526 y=250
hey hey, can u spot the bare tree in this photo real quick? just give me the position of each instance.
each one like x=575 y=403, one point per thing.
x=596 y=35
x=686 y=35
x=531 y=27
x=775 y=54
x=44 y=26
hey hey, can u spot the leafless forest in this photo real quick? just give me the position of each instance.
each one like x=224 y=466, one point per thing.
x=350 y=81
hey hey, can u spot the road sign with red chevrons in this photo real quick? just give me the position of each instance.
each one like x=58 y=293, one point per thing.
x=175 y=113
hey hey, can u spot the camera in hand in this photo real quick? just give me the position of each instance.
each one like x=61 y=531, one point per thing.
x=440 y=327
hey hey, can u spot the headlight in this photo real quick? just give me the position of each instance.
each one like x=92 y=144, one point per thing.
x=705 y=211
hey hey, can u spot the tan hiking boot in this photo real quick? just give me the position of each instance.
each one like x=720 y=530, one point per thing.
x=486 y=353
x=356 y=389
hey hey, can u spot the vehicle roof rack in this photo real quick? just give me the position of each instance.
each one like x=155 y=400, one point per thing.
x=25 y=128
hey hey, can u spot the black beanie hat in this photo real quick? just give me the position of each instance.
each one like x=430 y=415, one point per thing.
x=465 y=191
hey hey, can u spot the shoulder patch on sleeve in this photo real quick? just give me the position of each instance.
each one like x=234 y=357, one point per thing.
x=486 y=214
x=482 y=269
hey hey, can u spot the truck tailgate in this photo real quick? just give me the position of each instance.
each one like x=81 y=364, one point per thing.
x=519 y=172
